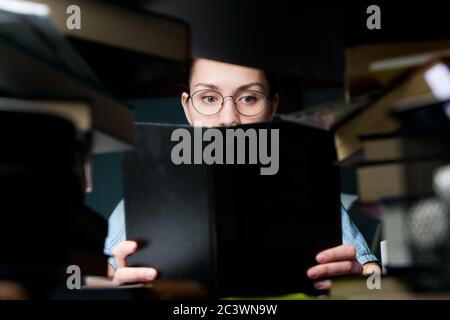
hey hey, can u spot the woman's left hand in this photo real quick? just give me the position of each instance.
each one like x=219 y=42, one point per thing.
x=338 y=261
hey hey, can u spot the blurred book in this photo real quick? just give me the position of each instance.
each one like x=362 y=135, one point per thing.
x=378 y=180
x=415 y=217
x=364 y=61
x=371 y=114
x=124 y=27
x=402 y=141
x=395 y=146
x=134 y=53
x=24 y=75
x=387 y=70
x=36 y=34
x=75 y=111
x=400 y=163
x=331 y=115
x=383 y=146
x=42 y=190
x=416 y=86
x=41 y=60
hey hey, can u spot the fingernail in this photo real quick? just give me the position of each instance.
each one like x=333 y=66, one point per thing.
x=312 y=274
x=150 y=274
x=321 y=285
x=321 y=258
x=131 y=246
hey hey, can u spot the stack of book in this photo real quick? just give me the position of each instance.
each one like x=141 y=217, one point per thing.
x=393 y=129
x=56 y=111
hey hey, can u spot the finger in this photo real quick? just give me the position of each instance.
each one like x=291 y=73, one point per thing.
x=340 y=253
x=371 y=268
x=323 y=285
x=111 y=271
x=334 y=269
x=133 y=275
x=122 y=251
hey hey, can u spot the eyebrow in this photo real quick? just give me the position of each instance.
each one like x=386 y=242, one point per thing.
x=243 y=87
x=209 y=85
x=249 y=85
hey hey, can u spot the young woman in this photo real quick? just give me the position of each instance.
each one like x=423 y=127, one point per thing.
x=219 y=94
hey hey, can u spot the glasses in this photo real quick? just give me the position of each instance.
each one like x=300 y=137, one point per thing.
x=249 y=103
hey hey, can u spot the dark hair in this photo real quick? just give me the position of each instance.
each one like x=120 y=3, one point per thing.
x=186 y=74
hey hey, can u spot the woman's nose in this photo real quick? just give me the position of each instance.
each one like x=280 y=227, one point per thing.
x=229 y=116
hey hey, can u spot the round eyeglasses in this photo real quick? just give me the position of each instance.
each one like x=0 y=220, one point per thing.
x=249 y=103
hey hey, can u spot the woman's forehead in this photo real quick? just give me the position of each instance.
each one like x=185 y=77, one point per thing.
x=225 y=74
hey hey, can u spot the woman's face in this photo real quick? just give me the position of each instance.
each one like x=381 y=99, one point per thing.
x=228 y=80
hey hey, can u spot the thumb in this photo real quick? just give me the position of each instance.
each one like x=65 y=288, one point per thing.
x=122 y=251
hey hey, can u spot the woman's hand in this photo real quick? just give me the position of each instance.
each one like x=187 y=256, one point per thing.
x=128 y=275
x=338 y=261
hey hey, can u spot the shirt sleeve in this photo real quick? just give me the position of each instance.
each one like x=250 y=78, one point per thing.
x=351 y=235
x=116 y=232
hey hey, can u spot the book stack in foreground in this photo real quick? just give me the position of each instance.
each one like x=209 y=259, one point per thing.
x=396 y=138
x=55 y=112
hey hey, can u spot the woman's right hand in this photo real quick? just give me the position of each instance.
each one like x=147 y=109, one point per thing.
x=128 y=275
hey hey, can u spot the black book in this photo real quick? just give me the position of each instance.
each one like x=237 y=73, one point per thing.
x=228 y=226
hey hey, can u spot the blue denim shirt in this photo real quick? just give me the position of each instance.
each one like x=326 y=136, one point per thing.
x=350 y=235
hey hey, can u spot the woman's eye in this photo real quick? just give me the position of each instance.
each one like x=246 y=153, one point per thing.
x=249 y=99
x=209 y=99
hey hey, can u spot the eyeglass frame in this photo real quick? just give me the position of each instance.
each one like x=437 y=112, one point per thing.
x=234 y=100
